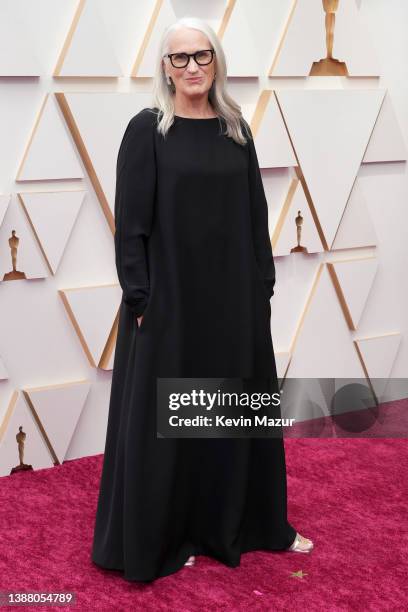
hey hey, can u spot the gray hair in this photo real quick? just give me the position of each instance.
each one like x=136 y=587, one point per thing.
x=222 y=103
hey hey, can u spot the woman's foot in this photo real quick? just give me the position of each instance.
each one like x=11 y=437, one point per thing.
x=190 y=560
x=301 y=544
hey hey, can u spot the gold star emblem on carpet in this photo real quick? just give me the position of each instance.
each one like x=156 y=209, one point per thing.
x=298 y=574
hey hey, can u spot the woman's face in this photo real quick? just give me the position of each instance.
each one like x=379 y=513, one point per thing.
x=188 y=40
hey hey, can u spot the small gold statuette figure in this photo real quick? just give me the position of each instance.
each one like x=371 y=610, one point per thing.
x=13 y=244
x=329 y=66
x=20 y=437
x=299 y=248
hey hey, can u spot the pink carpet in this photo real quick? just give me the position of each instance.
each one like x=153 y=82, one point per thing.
x=348 y=495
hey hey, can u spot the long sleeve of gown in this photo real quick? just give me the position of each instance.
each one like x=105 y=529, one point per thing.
x=134 y=202
x=259 y=215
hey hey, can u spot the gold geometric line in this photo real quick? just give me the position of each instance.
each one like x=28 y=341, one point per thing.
x=363 y=365
x=340 y=295
x=397 y=333
x=20 y=197
x=360 y=355
x=282 y=38
x=102 y=286
x=307 y=304
x=350 y=259
x=284 y=212
x=260 y=109
x=55 y=386
x=225 y=18
x=76 y=327
x=41 y=428
x=283 y=377
x=287 y=370
x=375 y=123
x=9 y=412
x=7 y=201
x=344 y=211
x=146 y=38
x=110 y=344
x=86 y=159
x=30 y=140
x=349 y=320
x=300 y=175
x=69 y=37
x=286 y=127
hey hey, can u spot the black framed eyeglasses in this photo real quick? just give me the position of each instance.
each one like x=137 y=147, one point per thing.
x=181 y=60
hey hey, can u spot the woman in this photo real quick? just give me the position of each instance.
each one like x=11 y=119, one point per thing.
x=195 y=263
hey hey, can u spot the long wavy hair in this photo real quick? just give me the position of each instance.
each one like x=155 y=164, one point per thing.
x=222 y=103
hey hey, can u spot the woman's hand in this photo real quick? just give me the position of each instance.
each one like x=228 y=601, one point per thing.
x=139 y=320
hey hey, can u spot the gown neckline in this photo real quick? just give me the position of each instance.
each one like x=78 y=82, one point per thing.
x=196 y=118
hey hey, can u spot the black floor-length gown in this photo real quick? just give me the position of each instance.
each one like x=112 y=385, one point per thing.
x=193 y=255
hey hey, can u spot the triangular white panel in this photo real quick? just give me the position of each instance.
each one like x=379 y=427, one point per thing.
x=238 y=40
x=109 y=113
x=163 y=14
x=36 y=452
x=356 y=277
x=84 y=303
x=295 y=278
x=4 y=203
x=276 y=184
x=353 y=43
x=330 y=130
x=59 y=408
x=53 y=215
x=305 y=41
x=88 y=51
x=386 y=142
x=272 y=141
x=356 y=228
x=50 y=153
x=379 y=354
x=324 y=324
x=282 y=361
x=17 y=52
x=287 y=238
x=30 y=260
x=3 y=371
x=250 y=36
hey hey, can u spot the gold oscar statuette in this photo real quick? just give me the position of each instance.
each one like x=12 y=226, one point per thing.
x=329 y=66
x=299 y=248
x=20 y=437
x=13 y=244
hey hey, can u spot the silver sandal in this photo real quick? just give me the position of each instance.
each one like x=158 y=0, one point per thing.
x=190 y=561
x=301 y=544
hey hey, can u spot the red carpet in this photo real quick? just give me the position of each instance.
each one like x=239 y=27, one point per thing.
x=348 y=495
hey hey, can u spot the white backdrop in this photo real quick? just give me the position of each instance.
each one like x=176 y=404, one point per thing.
x=39 y=344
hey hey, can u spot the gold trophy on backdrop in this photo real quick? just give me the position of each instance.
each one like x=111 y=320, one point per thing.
x=329 y=66
x=299 y=223
x=22 y=467
x=13 y=244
